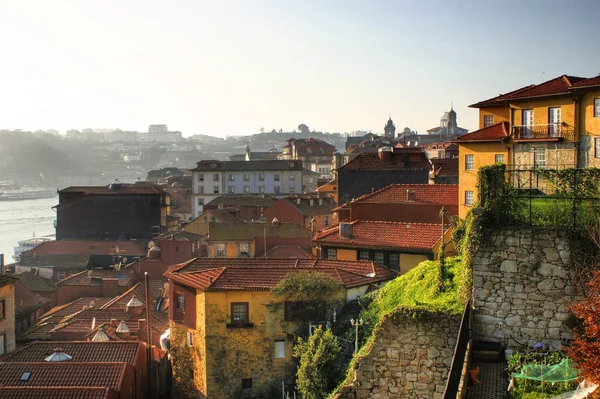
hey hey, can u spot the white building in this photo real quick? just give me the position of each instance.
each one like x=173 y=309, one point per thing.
x=215 y=178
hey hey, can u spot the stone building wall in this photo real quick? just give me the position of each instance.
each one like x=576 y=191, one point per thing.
x=410 y=358
x=558 y=155
x=522 y=281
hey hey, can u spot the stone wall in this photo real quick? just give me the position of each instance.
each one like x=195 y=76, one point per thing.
x=558 y=155
x=409 y=358
x=522 y=281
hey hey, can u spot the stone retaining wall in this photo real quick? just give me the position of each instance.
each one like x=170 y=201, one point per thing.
x=410 y=358
x=522 y=280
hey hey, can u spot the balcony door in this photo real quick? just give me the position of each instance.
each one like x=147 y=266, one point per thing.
x=554 y=121
x=527 y=123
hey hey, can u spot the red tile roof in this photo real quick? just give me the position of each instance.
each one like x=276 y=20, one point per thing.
x=559 y=85
x=448 y=167
x=288 y=251
x=498 y=132
x=210 y=274
x=399 y=236
x=56 y=393
x=81 y=351
x=25 y=300
x=90 y=277
x=85 y=247
x=595 y=81
x=63 y=374
x=443 y=194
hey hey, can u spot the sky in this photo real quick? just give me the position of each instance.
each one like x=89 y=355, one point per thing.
x=233 y=67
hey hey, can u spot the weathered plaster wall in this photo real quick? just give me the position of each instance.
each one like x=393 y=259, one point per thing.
x=410 y=358
x=522 y=281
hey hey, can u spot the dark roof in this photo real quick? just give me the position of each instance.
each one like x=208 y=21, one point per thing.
x=255 y=156
x=446 y=166
x=595 y=81
x=205 y=166
x=321 y=204
x=36 y=283
x=178 y=236
x=90 y=277
x=498 y=133
x=211 y=274
x=86 y=247
x=55 y=393
x=124 y=189
x=248 y=231
x=25 y=300
x=6 y=280
x=81 y=351
x=220 y=215
x=442 y=194
x=413 y=237
x=61 y=261
x=241 y=200
x=557 y=86
x=371 y=161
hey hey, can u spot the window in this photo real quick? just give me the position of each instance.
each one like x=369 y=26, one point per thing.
x=246 y=189
x=539 y=160
x=394 y=261
x=305 y=310
x=331 y=253
x=379 y=258
x=231 y=189
x=363 y=255
x=216 y=177
x=220 y=250
x=469 y=198
x=277 y=189
x=276 y=177
x=326 y=221
x=60 y=275
x=597 y=107
x=180 y=301
x=216 y=189
x=261 y=189
x=554 y=121
x=292 y=164
x=200 y=189
x=279 y=349
x=200 y=176
x=488 y=120
x=246 y=383
x=190 y=338
x=244 y=250
x=261 y=176
x=597 y=147
x=200 y=201
x=2 y=309
x=292 y=189
x=239 y=312
x=499 y=158
x=469 y=162
x=246 y=177
x=231 y=177
x=293 y=178
x=3 y=350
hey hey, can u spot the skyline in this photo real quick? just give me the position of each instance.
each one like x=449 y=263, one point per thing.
x=230 y=68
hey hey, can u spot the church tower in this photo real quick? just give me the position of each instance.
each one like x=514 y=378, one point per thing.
x=452 y=124
x=390 y=129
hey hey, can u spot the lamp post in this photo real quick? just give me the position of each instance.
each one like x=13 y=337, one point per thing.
x=356 y=323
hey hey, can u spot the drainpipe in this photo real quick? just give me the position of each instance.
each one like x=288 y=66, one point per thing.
x=148 y=331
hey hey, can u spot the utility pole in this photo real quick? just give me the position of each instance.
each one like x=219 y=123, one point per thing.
x=356 y=323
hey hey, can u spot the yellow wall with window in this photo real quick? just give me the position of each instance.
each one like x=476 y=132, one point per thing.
x=541 y=109
x=500 y=114
x=484 y=153
x=7 y=325
x=232 y=248
x=590 y=122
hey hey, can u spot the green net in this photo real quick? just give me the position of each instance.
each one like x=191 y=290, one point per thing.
x=561 y=372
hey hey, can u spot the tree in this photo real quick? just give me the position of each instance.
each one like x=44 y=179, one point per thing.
x=319 y=370
x=585 y=348
x=303 y=128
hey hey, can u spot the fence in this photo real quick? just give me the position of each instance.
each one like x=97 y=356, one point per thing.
x=565 y=198
x=458 y=360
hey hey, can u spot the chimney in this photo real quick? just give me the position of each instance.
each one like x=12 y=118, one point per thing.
x=385 y=154
x=345 y=230
x=410 y=196
x=220 y=206
x=123 y=331
x=320 y=201
x=298 y=200
x=312 y=202
x=142 y=325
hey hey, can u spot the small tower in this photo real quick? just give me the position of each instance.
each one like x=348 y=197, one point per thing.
x=452 y=124
x=390 y=129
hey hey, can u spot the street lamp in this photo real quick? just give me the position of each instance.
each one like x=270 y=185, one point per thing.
x=356 y=323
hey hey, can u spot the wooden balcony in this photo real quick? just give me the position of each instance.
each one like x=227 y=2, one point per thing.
x=551 y=132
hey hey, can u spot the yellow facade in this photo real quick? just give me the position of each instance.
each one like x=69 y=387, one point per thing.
x=330 y=188
x=7 y=325
x=484 y=154
x=541 y=111
x=589 y=156
x=498 y=114
x=232 y=248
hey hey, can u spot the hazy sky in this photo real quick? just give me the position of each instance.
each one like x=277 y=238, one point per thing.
x=232 y=67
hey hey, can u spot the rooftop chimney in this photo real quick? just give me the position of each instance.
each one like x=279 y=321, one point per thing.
x=142 y=325
x=298 y=200
x=320 y=201
x=312 y=202
x=134 y=307
x=385 y=154
x=411 y=196
x=123 y=331
x=345 y=230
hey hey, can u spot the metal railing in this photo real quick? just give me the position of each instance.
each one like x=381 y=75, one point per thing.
x=460 y=350
x=552 y=130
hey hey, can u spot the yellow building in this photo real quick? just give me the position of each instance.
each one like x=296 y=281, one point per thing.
x=7 y=314
x=330 y=188
x=231 y=337
x=398 y=246
x=589 y=120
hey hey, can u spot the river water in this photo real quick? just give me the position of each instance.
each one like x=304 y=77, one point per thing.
x=19 y=220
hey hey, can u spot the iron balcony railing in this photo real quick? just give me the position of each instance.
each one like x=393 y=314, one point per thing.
x=550 y=131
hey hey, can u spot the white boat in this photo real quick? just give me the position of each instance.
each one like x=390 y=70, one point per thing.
x=27 y=193
x=30 y=243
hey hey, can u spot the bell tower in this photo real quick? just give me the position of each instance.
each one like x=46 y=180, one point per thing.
x=390 y=129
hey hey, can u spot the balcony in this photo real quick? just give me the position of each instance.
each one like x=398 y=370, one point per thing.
x=550 y=132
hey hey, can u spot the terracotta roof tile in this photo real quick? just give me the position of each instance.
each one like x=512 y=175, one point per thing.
x=87 y=247
x=443 y=194
x=263 y=274
x=36 y=283
x=25 y=300
x=498 y=132
x=241 y=200
x=63 y=374
x=595 y=81
x=398 y=236
x=288 y=251
x=94 y=277
x=81 y=351
x=322 y=204
x=178 y=236
x=54 y=393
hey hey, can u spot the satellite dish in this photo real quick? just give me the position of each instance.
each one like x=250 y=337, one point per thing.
x=151 y=244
